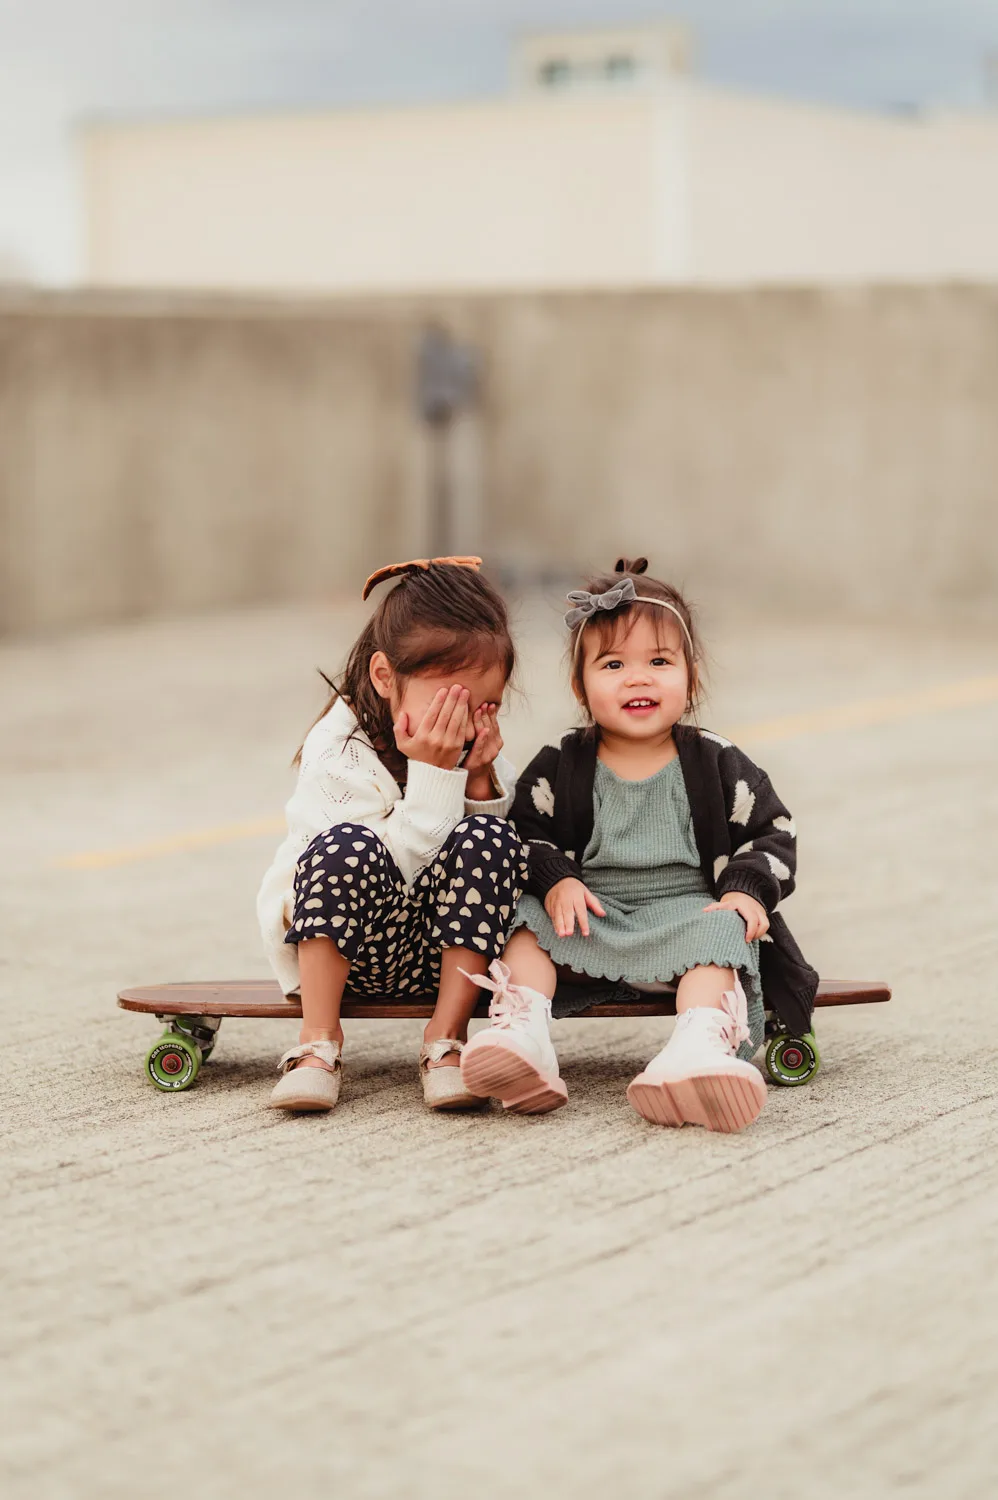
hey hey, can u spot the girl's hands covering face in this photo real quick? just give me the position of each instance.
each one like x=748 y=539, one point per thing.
x=440 y=736
x=483 y=730
x=484 y=725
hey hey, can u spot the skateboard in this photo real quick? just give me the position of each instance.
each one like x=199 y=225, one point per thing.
x=192 y=1014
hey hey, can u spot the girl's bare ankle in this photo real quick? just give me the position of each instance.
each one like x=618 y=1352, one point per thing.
x=321 y=1034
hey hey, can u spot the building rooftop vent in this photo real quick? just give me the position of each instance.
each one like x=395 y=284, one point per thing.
x=553 y=62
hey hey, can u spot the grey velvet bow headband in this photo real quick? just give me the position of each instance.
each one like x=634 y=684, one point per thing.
x=585 y=605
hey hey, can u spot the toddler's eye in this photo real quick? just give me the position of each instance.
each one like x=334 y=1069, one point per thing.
x=613 y=665
x=660 y=661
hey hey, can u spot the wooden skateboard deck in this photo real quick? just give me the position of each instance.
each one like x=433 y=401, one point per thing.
x=192 y=1014
x=262 y=998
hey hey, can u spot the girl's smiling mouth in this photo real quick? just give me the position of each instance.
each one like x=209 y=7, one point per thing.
x=640 y=705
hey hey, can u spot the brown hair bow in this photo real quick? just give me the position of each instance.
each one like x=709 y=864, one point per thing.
x=398 y=570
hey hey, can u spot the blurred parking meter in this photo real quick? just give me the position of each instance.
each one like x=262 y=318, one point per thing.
x=447 y=382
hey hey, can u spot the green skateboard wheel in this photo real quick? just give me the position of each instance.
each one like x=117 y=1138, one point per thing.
x=792 y=1060
x=173 y=1062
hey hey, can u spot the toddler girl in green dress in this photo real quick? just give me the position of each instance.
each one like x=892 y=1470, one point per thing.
x=657 y=854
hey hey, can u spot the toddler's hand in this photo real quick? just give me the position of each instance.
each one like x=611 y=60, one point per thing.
x=747 y=907
x=440 y=735
x=484 y=727
x=568 y=900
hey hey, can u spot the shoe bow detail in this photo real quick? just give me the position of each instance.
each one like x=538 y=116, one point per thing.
x=326 y=1052
x=438 y=1049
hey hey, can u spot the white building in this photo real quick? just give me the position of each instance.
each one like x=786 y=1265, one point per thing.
x=608 y=165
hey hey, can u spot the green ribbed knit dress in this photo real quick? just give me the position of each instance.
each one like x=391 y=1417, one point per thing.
x=643 y=864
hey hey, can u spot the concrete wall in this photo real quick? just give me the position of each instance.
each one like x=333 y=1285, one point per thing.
x=810 y=450
x=794 y=450
x=191 y=457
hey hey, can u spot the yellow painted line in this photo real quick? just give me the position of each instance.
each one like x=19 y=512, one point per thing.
x=204 y=838
x=865 y=714
x=872 y=711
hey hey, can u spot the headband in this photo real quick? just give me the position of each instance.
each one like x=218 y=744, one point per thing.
x=586 y=605
x=399 y=570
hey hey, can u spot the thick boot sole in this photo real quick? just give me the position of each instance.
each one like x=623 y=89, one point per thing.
x=723 y=1101
x=499 y=1073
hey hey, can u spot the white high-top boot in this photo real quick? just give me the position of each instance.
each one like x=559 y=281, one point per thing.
x=696 y=1079
x=513 y=1058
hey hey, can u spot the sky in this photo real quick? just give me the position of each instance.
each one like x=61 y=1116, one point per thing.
x=63 y=60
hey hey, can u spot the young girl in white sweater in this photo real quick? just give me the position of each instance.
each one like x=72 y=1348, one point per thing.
x=399 y=873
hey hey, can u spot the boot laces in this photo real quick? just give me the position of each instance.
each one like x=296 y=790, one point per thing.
x=727 y=1024
x=735 y=1006
x=509 y=1006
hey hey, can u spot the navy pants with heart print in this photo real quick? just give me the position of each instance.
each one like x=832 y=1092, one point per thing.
x=349 y=888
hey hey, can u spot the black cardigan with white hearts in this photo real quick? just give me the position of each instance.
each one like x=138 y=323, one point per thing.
x=745 y=838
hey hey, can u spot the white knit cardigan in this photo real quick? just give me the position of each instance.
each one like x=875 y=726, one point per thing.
x=341 y=780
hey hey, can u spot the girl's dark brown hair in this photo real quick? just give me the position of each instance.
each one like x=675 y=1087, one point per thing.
x=607 y=625
x=439 y=618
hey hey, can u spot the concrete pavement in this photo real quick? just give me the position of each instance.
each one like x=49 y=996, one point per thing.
x=201 y=1296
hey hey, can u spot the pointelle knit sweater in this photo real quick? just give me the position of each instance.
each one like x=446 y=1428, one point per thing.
x=341 y=779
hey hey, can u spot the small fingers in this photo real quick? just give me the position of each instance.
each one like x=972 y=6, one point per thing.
x=446 y=712
x=458 y=734
x=755 y=918
x=432 y=714
x=730 y=906
x=753 y=925
x=484 y=729
x=565 y=920
x=453 y=715
x=593 y=903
